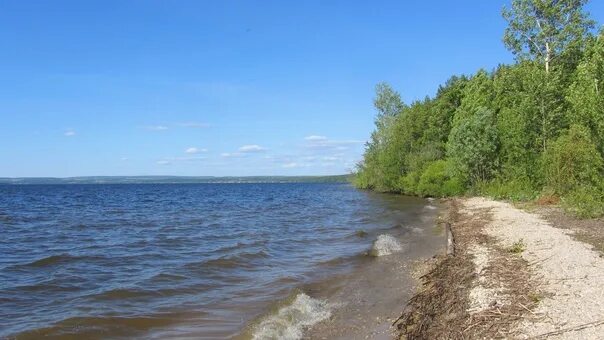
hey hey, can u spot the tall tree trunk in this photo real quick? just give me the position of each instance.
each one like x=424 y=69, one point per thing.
x=543 y=125
x=548 y=57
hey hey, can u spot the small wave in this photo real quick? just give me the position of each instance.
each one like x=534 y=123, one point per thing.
x=132 y=294
x=91 y=327
x=290 y=321
x=241 y=245
x=165 y=277
x=5 y=218
x=361 y=233
x=54 y=260
x=385 y=245
x=430 y=207
x=241 y=260
x=50 y=260
x=125 y=293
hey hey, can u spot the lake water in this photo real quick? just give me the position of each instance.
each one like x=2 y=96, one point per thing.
x=189 y=260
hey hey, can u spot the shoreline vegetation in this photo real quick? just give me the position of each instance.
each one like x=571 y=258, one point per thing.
x=517 y=153
x=515 y=273
x=533 y=130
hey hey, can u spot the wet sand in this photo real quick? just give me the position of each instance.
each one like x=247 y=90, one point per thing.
x=368 y=301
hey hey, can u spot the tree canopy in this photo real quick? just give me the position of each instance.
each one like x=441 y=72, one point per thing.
x=544 y=29
x=520 y=131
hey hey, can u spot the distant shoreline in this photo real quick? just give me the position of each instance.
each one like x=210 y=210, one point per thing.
x=172 y=179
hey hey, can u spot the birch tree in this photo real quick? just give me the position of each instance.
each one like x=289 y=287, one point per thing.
x=543 y=29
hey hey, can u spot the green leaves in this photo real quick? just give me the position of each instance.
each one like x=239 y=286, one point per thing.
x=573 y=161
x=574 y=169
x=381 y=165
x=543 y=29
x=473 y=145
x=586 y=94
x=510 y=133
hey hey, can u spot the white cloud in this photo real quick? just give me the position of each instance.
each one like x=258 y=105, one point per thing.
x=170 y=160
x=315 y=138
x=187 y=159
x=251 y=148
x=194 y=125
x=156 y=127
x=194 y=150
x=230 y=154
x=322 y=142
x=69 y=133
x=124 y=159
x=164 y=127
x=291 y=165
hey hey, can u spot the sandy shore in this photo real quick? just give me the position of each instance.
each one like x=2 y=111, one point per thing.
x=367 y=301
x=514 y=274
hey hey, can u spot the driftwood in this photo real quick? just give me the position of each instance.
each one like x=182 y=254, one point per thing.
x=450 y=239
x=440 y=309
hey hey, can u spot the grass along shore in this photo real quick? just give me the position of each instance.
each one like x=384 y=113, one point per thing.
x=517 y=272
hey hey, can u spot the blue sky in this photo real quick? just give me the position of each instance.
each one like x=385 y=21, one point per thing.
x=221 y=87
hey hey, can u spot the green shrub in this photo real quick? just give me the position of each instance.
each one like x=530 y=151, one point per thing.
x=572 y=162
x=436 y=181
x=517 y=247
x=408 y=183
x=362 y=179
x=514 y=190
x=584 y=202
x=453 y=187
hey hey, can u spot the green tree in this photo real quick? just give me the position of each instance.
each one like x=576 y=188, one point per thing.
x=478 y=92
x=544 y=29
x=517 y=119
x=473 y=146
x=377 y=168
x=586 y=94
x=387 y=101
x=511 y=133
x=573 y=162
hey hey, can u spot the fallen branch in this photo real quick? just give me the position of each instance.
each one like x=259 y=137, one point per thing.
x=571 y=329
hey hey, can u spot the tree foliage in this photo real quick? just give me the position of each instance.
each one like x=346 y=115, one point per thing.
x=510 y=133
x=473 y=146
x=544 y=29
x=573 y=161
x=586 y=94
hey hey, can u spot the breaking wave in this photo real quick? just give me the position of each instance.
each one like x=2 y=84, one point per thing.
x=290 y=321
x=385 y=245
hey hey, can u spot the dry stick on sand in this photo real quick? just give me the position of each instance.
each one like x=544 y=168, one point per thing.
x=570 y=329
x=441 y=310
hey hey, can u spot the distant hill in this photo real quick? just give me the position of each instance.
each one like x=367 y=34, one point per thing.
x=173 y=179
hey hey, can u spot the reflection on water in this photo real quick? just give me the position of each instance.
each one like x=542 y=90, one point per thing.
x=181 y=260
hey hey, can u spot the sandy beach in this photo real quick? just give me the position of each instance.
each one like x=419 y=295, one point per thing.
x=515 y=274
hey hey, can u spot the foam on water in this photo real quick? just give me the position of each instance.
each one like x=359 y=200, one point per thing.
x=385 y=245
x=290 y=321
